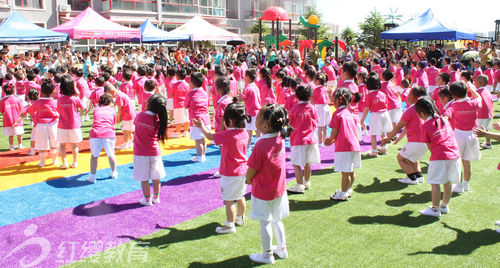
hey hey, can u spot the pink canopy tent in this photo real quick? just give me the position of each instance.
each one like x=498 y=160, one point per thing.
x=90 y=25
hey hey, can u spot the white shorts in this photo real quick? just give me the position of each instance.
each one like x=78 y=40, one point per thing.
x=346 y=161
x=305 y=154
x=233 y=187
x=270 y=210
x=251 y=125
x=33 y=134
x=181 y=115
x=170 y=104
x=85 y=103
x=97 y=144
x=380 y=123
x=148 y=168
x=69 y=135
x=128 y=125
x=395 y=115
x=46 y=136
x=443 y=171
x=13 y=131
x=431 y=89
x=486 y=123
x=323 y=114
x=468 y=144
x=331 y=84
x=414 y=151
x=195 y=133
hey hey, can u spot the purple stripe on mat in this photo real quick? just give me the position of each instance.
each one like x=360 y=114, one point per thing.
x=73 y=234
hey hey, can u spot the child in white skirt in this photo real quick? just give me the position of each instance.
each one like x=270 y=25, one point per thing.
x=150 y=128
x=345 y=135
x=197 y=103
x=320 y=100
x=303 y=139
x=444 y=165
x=33 y=96
x=267 y=175
x=11 y=108
x=393 y=99
x=233 y=142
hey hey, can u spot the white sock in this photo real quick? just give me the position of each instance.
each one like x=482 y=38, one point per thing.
x=279 y=232
x=266 y=236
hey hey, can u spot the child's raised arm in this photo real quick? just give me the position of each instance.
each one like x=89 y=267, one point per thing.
x=206 y=132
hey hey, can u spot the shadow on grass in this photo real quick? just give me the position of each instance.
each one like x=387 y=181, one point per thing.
x=176 y=236
x=377 y=186
x=402 y=219
x=325 y=171
x=465 y=243
x=103 y=209
x=241 y=261
x=298 y=205
x=410 y=198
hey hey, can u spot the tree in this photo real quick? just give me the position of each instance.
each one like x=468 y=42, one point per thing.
x=393 y=16
x=348 y=33
x=322 y=30
x=255 y=29
x=371 y=29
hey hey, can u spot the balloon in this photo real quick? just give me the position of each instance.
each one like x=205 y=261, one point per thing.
x=313 y=20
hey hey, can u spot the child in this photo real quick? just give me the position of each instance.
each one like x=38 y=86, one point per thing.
x=20 y=87
x=95 y=96
x=321 y=96
x=169 y=83
x=11 y=108
x=84 y=93
x=197 y=103
x=303 y=140
x=405 y=91
x=442 y=80
x=310 y=75
x=363 y=92
x=444 y=165
x=102 y=136
x=376 y=103
x=139 y=84
x=496 y=81
x=46 y=118
x=292 y=84
x=127 y=87
x=477 y=69
x=393 y=100
x=31 y=83
x=179 y=91
x=485 y=113
x=33 y=96
x=432 y=74
x=238 y=75
x=491 y=75
x=149 y=90
x=150 y=127
x=278 y=87
x=68 y=129
x=266 y=87
x=455 y=73
x=267 y=175
x=399 y=76
x=251 y=99
x=422 y=80
x=223 y=89
x=233 y=163
x=126 y=115
x=344 y=134
x=415 y=149
x=464 y=116
x=330 y=73
x=445 y=99
x=349 y=71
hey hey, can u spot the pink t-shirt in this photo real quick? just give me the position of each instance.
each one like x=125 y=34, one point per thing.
x=432 y=74
x=83 y=87
x=266 y=93
x=179 y=93
x=378 y=69
x=128 y=88
x=435 y=97
x=364 y=93
x=146 y=134
x=96 y=95
x=345 y=122
x=330 y=72
x=68 y=110
x=441 y=139
x=268 y=158
x=139 y=87
x=486 y=110
x=398 y=76
x=11 y=108
x=413 y=124
x=304 y=120
x=413 y=75
x=233 y=151
x=446 y=69
x=393 y=101
x=454 y=76
x=281 y=98
x=237 y=74
x=32 y=85
x=376 y=101
x=291 y=100
x=128 y=111
x=448 y=111
x=104 y=123
x=320 y=94
x=354 y=89
x=222 y=103
x=145 y=97
x=477 y=72
x=21 y=87
x=465 y=113
x=57 y=91
x=197 y=103
x=251 y=97
x=46 y=110
x=491 y=75
x=497 y=76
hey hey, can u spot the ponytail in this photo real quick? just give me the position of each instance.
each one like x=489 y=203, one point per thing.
x=158 y=105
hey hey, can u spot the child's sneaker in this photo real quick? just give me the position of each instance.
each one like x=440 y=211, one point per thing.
x=155 y=200
x=466 y=186
x=41 y=164
x=458 y=188
x=63 y=166
x=225 y=229
x=20 y=146
x=444 y=209
x=124 y=146
x=420 y=179
x=373 y=153
x=114 y=175
x=282 y=253
x=145 y=202
x=240 y=220
x=485 y=145
x=74 y=165
x=12 y=148
x=217 y=174
x=382 y=151
x=91 y=178
x=408 y=181
x=298 y=189
x=31 y=152
x=430 y=211
x=262 y=258
x=339 y=196
x=307 y=184
x=497 y=223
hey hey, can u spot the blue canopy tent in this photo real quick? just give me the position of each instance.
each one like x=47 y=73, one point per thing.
x=151 y=34
x=16 y=29
x=426 y=27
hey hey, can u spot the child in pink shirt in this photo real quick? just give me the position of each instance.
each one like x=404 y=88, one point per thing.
x=432 y=74
x=267 y=175
x=421 y=78
x=21 y=87
x=179 y=92
x=278 y=88
x=46 y=118
x=197 y=104
x=97 y=93
x=68 y=128
x=251 y=98
x=445 y=99
x=150 y=88
x=169 y=85
x=126 y=115
x=405 y=91
x=399 y=75
x=345 y=136
x=349 y=71
x=233 y=163
x=11 y=108
x=32 y=96
x=139 y=84
x=266 y=87
x=442 y=80
x=303 y=139
x=320 y=100
x=127 y=87
x=455 y=72
x=496 y=80
x=393 y=100
x=238 y=75
x=485 y=113
x=444 y=165
x=332 y=77
x=291 y=84
x=413 y=73
x=150 y=130
x=222 y=88
x=31 y=84
x=84 y=93
x=491 y=75
x=477 y=69
x=102 y=136
x=363 y=92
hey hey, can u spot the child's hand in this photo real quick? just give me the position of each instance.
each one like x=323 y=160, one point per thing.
x=400 y=137
x=384 y=141
x=328 y=141
x=480 y=132
x=196 y=123
x=496 y=125
x=248 y=181
x=363 y=126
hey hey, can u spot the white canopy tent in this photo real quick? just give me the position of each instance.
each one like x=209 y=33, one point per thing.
x=201 y=30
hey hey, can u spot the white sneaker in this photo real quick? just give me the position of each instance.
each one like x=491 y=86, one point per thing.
x=114 y=175
x=298 y=188
x=444 y=209
x=420 y=180
x=145 y=202
x=20 y=146
x=74 y=165
x=282 y=253
x=12 y=148
x=203 y=158
x=55 y=162
x=497 y=223
x=217 y=174
x=349 y=192
x=307 y=184
x=195 y=159
x=262 y=258
x=225 y=230
x=484 y=145
x=373 y=154
x=458 y=188
x=466 y=186
x=240 y=220
x=430 y=211
x=408 y=181
x=91 y=178
x=41 y=164
x=64 y=166
x=31 y=152
x=155 y=200
x=124 y=146
x=339 y=196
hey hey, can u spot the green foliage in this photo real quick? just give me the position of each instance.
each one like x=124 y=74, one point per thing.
x=371 y=29
x=348 y=33
x=393 y=16
x=323 y=31
x=255 y=29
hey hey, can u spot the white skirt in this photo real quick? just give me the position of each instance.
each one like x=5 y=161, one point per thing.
x=323 y=114
x=395 y=115
x=487 y=123
x=468 y=144
x=232 y=187
x=170 y=104
x=128 y=125
x=181 y=115
x=305 y=154
x=380 y=123
x=46 y=136
x=347 y=161
x=195 y=133
x=33 y=134
x=13 y=131
x=69 y=135
x=270 y=210
x=443 y=171
x=414 y=151
x=148 y=168
x=251 y=126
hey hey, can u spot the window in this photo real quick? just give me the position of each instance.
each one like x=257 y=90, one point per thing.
x=29 y=3
x=232 y=9
x=79 y=5
x=4 y=3
x=180 y=6
x=213 y=7
x=137 y=5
